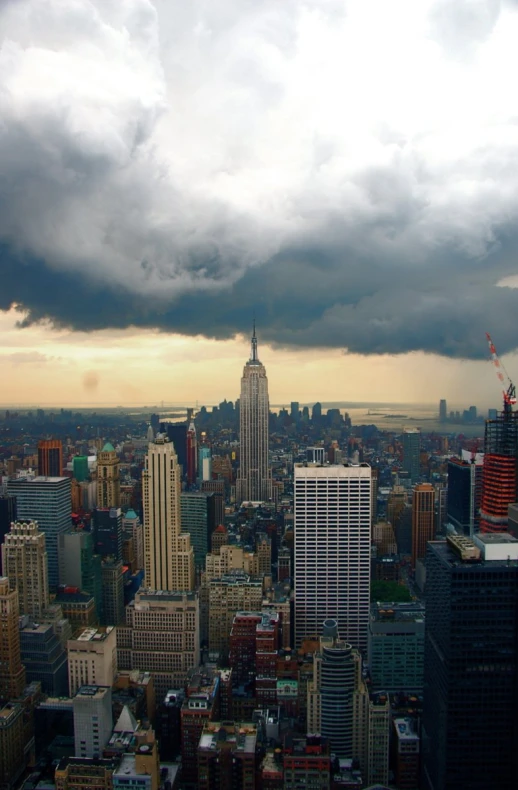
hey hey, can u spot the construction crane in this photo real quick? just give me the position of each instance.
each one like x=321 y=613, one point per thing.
x=509 y=393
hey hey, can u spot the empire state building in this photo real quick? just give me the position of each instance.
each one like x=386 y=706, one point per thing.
x=254 y=482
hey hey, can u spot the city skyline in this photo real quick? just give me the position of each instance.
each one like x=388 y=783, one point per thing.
x=46 y=366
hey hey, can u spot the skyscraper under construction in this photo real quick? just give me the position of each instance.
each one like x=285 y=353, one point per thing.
x=500 y=470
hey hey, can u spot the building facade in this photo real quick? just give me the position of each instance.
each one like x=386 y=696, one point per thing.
x=423 y=519
x=254 y=482
x=198 y=519
x=469 y=724
x=332 y=551
x=396 y=646
x=92 y=658
x=92 y=720
x=12 y=672
x=168 y=554
x=24 y=559
x=47 y=501
x=50 y=458
x=108 y=479
x=411 y=441
x=161 y=636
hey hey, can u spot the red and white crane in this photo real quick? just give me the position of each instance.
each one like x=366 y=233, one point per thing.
x=509 y=393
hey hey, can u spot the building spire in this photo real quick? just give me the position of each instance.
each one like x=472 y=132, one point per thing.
x=253 y=356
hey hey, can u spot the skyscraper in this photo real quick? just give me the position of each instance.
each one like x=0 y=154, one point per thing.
x=332 y=528
x=12 y=672
x=464 y=492
x=168 y=554
x=192 y=454
x=47 y=501
x=423 y=520
x=469 y=724
x=500 y=469
x=411 y=441
x=50 y=458
x=330 y=695
x=108 y=482
x=24 y=560
x=198 y=514
x=254 y=482
x=443 y=410
x=205 y=463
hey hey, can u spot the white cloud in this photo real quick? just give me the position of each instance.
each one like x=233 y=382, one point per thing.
x=158 y=148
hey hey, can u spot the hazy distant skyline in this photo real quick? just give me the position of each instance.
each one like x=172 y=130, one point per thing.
x=343 y=169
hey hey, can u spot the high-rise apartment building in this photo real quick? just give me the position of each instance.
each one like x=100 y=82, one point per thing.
x=108 y=480
x=50 y=458
x=411 y=441
x=330 y=694
x=169 y=557
x=469 y=723
x=332 y=551
x=161 y=636
x=24 y=559
x=423 y=519
x=47 y=501
x=12 y=672
x=254 y=482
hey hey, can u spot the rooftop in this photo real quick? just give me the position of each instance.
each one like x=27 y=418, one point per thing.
x=243 y=737
x=94 y=634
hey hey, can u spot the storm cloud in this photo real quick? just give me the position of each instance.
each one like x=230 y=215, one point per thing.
x=347 y=171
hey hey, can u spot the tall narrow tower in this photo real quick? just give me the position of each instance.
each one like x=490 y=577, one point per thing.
x=12 y=671
x=254 y=482
x=24 y=560
x=423 y=519
x=168 y=554
x=108 y=482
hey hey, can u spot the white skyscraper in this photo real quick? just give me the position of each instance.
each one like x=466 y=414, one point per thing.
x=168 y=554
x=254 y=481
x=332 y=551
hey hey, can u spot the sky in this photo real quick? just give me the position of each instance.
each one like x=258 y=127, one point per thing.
x=346 y=172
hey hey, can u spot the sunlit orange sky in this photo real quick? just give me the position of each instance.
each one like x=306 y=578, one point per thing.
x=44 y=366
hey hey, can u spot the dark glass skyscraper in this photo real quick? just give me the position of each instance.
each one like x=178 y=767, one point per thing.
x=411 y=441
x=470 y=726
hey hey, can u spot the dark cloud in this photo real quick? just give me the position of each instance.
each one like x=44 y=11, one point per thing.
x=182 y=166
